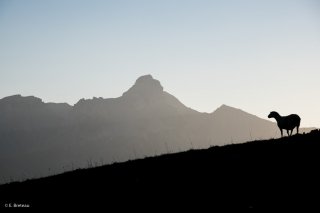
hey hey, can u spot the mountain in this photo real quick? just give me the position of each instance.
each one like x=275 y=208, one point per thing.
x=39 y=139
x=235 y=125
x=264 y=175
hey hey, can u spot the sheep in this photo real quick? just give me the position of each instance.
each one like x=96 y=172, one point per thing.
x=286 y=122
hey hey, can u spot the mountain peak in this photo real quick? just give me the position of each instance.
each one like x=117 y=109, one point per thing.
x=232 y=113
x=19 y=99
x=145 y=86
x=224 y=108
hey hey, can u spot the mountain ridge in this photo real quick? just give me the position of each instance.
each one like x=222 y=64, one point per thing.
x=37 y=136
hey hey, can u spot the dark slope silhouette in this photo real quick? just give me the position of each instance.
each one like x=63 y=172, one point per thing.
x=268 y=174
x=39 y=139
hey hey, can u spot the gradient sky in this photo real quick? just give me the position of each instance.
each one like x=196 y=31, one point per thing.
x=255 y=55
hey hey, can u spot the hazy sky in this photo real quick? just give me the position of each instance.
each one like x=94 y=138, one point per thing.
x=254 y=55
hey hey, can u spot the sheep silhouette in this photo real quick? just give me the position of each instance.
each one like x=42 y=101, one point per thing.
x=286 y=122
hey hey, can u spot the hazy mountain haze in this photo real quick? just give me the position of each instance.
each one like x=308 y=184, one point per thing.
x=40 y=138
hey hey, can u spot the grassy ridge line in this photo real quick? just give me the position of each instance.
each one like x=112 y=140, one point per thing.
x=259 y=174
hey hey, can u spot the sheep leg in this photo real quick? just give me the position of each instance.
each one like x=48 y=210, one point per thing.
x=281 y=132
x=288 y=132
x=297 y=129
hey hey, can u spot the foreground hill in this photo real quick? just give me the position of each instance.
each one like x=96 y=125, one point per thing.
x=267 y=174
x=39 y=139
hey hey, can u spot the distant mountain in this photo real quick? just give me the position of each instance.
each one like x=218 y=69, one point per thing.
x=234 y=125
x=38 y=139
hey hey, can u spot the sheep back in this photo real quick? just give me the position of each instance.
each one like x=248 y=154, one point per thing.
x=289 y=122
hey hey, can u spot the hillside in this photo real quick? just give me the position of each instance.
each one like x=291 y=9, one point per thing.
x=266 y=174
x=38 y=139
